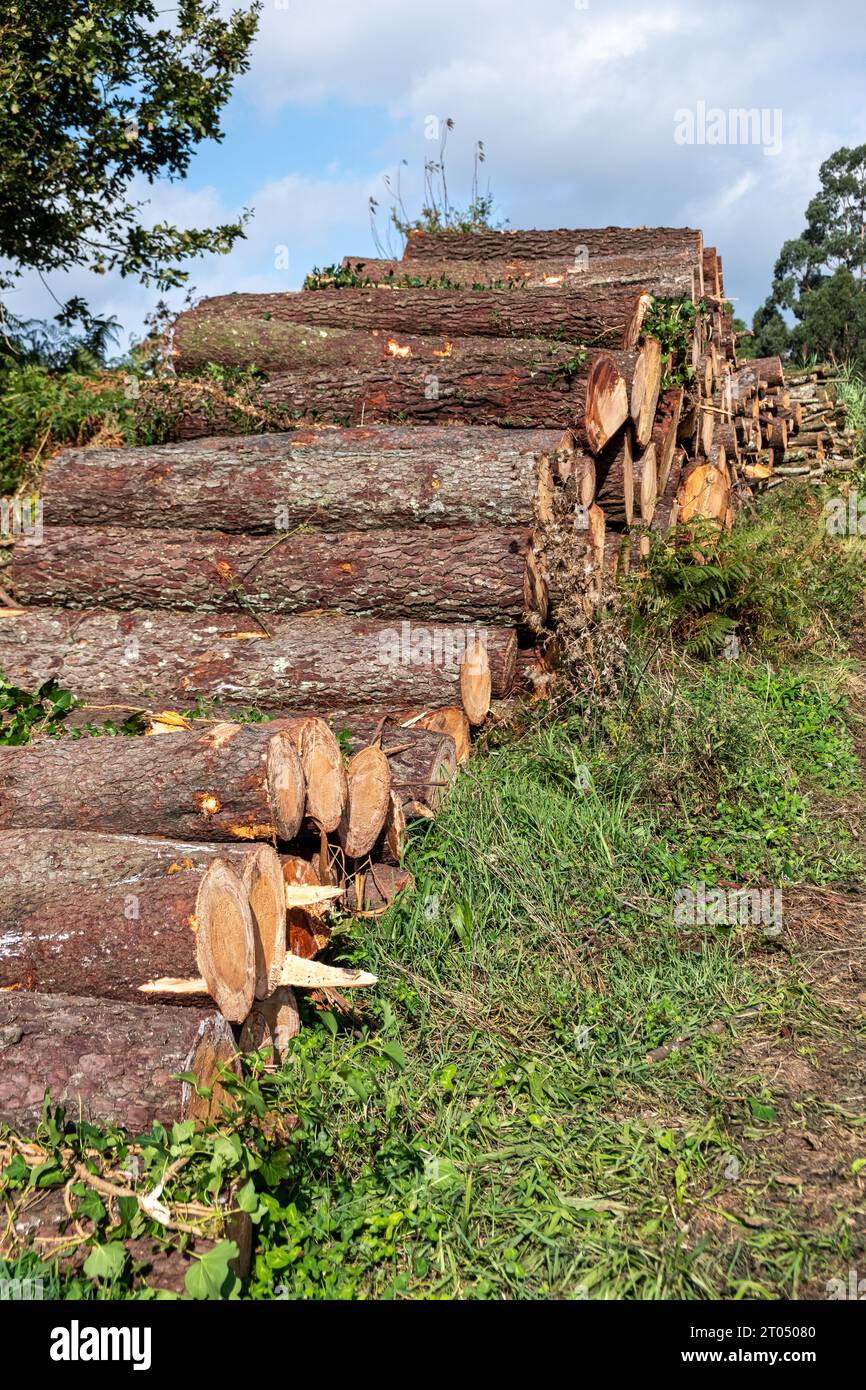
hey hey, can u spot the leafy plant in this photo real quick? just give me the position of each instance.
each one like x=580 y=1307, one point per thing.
x=96 y=97
x=672 y=322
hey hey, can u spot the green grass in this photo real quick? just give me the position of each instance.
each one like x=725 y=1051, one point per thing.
x=492 y=1127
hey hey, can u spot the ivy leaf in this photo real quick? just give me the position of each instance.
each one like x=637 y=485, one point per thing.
x=210 y=1276
x=105 y=1261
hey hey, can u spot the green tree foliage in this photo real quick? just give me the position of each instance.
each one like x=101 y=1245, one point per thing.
x=820 y=276
x=98 y=96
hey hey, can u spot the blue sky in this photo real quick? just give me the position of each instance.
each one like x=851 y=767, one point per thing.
x=576 y=103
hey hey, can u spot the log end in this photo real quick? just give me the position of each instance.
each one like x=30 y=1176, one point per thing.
x=225 y=941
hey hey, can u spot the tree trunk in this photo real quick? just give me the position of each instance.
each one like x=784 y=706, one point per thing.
x=273 y=330
x=541 y=387
x=125 y=920
x=152 y=659
x=487 y=575
x=669 y=275
x=543 y=245
x=335 y=480
x=227 y=781
x=114 y=1063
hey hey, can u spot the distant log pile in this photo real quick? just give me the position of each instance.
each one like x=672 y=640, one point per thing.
x=413 y=484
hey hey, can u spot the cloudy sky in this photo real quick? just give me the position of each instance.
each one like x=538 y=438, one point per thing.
x=578 y=103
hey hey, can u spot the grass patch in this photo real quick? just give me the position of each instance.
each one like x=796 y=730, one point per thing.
x=494 y=1127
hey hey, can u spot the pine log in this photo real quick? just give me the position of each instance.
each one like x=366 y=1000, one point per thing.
x=155 y=659
x=272 y=1024
x=335 y=479
x=622 y=385
x=615 y=491
x=369 y=777
x=668 y=275
x=704 y=494
x=667 y=507
x=543 y=387
x=645 y=483
x=111 y=1063
x=376 y=889
x=762 y=371
x=269 y=329
x=282 y=349
x=124 y=918
x=488 y=575
x=423 y=762
x=665 y=432
x=532 y=244
x=327 y=788
x=228 y=781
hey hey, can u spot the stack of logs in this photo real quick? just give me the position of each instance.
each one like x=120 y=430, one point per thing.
x=428 y=472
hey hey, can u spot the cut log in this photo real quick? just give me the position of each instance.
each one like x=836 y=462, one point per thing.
x=645 y=483
x=667 y=507
x=394 y=831
x=488 y=575
x=422 y=762
x=367 y=804
x=72 y=915
x=645 y=387
x=543 y=387
x=263 y=880
x=273 y=330
x=450 y=720
x=272 y=1025
x=476 y=681
x=156 y=659
x=111 y=1063
x=615 y=491
x=665 y=428
x=222 y=782
x=324 y=769
x=761 y=371
x=704 y=494
x=332 y=479
x=669 y=275
x=622 y=385
x=376 y=889
x=573 y=244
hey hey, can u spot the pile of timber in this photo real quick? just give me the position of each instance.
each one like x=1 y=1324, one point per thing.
x=432 y=474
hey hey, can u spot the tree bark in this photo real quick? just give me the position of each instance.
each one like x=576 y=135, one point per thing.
x=337 y=480
x=147 y=660
x=542 y=387
x=227 y=781
x=488 y=575
x=123 y=918
x=112 y=1062
x=535 y=244
x=668 y=275
x=273 y=330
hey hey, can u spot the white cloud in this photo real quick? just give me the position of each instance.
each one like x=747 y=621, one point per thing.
x=576 y=109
